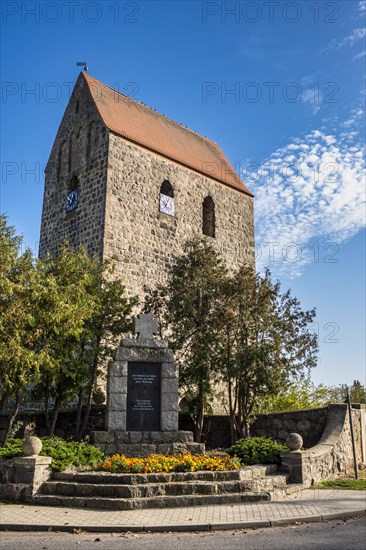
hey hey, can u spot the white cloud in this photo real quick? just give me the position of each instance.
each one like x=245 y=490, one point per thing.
x=310 y=191
x=360 y=55
x=355 y=36
x=309 y=97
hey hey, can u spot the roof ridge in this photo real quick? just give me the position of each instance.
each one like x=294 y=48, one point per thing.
x=151 y=109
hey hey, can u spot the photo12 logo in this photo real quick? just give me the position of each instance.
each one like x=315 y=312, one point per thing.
x=52 y=92
x=269 y=11
x=70 y=12
x=271 y=91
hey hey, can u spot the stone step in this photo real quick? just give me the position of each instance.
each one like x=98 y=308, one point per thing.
x=147 y=490
x=150 y=502
x=247 y=473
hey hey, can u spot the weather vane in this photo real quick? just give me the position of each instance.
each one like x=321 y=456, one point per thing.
x=82 y=64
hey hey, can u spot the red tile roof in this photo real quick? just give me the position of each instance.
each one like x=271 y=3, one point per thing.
x=141 y=124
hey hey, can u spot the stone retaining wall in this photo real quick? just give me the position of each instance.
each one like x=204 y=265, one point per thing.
x=65 y=422
x=309 y=423
x=332 y=457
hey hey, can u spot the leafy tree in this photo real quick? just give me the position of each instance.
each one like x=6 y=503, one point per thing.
x=190 y=306
x=20 y=358
x=303 y=394
x=270 y=344
x=298 y=394
x=238 y=331
x=110 y=319
x=83 y=311
x=66 y=304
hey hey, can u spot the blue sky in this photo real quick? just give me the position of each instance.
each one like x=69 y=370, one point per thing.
x=279 y=85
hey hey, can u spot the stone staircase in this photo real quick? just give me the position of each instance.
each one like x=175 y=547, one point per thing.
x=135 y=491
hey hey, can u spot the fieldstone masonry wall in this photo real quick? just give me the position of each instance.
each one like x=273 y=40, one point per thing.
x=144 y=241
x=310 y=423
x=80 y=150
x=21 y=477
x=117 y=216
x=332 y=457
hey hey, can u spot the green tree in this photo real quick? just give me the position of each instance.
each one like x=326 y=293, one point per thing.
x=297 y=394
x=64 y=306
x=20 y=358
x=270 y=344
x=303 y=394
x=84 y=311
x=358 y=392
x=102 y=332
x=190 y=307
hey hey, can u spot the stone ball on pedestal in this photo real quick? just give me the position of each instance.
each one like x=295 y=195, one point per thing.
x=294 y=442
x=32 y=446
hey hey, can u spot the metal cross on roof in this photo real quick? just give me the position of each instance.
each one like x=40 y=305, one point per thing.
x=146 y=325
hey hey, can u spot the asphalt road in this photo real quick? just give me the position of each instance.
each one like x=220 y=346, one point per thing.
x=347 y=534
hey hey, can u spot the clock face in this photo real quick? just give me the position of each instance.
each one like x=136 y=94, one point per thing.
x=166 y=204
x=71 y=200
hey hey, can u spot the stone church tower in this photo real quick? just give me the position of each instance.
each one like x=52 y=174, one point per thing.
x=132 y=185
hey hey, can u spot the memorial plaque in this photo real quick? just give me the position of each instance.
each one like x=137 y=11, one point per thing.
x=143 y=397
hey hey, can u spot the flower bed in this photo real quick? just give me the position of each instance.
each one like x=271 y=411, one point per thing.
x=183 y=462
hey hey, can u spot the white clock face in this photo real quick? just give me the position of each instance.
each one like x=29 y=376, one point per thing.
x=166 y=204
x=71 y=200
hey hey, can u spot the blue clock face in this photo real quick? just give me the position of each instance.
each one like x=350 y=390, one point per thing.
x=72 y=200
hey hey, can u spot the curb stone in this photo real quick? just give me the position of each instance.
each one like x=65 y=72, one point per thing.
x=184 y=528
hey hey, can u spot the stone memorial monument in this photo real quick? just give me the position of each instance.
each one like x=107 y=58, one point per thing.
x=142 y=398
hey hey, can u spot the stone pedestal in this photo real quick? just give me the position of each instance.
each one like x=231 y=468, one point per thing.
x=142 y=398
x=22 y=476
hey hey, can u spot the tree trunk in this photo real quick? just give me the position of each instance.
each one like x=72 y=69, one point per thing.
x=200 y=416
x=90 y=393
x=11 y=419
x=231 y=415
x=78 y=414
x=56 y=410
x=246 y=428
x=46 y=400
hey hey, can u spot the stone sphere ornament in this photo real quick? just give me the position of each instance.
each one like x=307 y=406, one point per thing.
x=32 y=445
x=294 y=442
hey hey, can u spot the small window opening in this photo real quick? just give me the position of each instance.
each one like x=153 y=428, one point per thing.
x=208 y=217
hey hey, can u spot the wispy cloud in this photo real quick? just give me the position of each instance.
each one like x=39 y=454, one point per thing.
x=353 y=37
x=360 y=55
x=312 y=190
x=308 y=97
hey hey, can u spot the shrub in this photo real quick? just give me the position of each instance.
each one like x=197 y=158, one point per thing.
x=183 y=462
x=64 y=454
x=257 y=450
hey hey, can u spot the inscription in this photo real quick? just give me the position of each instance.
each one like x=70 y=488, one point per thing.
x=143 y=397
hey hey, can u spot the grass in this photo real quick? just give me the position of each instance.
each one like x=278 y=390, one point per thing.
x=354 y=484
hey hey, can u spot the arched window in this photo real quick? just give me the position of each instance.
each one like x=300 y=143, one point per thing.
x=166 y=205
x=208 y=217
x=73 y=194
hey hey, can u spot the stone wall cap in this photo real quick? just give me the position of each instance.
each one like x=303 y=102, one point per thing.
x=35 y=460
x=144 y=343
